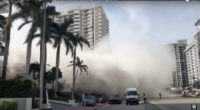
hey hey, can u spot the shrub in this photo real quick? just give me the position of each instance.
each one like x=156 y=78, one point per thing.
x=18 y=88
x=64 y=96
x=8 y=105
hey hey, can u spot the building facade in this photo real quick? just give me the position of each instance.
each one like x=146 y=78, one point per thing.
x=192 y=62
x=89 y=21
x=179 y=76
x=193 y=58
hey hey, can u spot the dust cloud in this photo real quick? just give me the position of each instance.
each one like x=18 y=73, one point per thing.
x=112 y=68
x=147 y=67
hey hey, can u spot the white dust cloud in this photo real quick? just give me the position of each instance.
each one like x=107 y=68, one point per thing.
x=147 y=67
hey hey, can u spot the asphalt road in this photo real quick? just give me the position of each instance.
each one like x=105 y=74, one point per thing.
x=129 y=107
x=147 y=107
x=158 y=104
x=155 y=104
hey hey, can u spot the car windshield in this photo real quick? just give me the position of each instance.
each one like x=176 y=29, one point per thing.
x=90 y=97
x=115 y=96
x=132 y=93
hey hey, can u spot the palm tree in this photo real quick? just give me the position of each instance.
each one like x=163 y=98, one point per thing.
x=7 y=41
x=81 y=67
x=36 y=10
x=34 y=70
x=80 y=41
x=61 y=34
x=30 y=11
x=50 y=76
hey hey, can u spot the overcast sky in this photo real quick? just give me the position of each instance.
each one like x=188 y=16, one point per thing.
x=158 y=22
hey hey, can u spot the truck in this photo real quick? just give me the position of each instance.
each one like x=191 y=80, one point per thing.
x=131 y=96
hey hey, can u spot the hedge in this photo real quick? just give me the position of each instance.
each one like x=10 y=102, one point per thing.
x=16 y=88
x=8 y=105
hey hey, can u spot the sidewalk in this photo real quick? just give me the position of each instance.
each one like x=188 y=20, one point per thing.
x=175 y=101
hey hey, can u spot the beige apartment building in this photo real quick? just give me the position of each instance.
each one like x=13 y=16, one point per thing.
x=90 y=22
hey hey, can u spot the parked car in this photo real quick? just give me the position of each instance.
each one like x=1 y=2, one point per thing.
x=131 y=96
x=115 y=99
x=89 y=100
x=101 y=99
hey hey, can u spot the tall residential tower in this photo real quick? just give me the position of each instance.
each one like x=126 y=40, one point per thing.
x=89 y=21
x=193 y=57
x=180 y=77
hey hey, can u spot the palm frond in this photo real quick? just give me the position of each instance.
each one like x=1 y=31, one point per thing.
x=24 y=23
x=85 y=69
x=70 y=65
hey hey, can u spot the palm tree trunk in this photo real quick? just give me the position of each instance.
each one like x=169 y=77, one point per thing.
x=45 y=55
x=34 y=91
x=76 y=75
x=52 y=85
x=57 y=69
x=28 y=57
x=40 y=52
x=74 y=72
x=7 y=42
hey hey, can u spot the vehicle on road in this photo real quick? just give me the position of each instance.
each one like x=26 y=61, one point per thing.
x=100 y=98
x=115 y=99
x=131 y=96
x=89 y=100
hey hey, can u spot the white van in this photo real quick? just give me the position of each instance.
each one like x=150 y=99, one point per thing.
x=131 y=96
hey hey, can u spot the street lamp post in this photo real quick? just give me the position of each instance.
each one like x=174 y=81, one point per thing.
x=42 y=58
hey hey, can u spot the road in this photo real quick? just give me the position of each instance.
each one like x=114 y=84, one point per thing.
x=147 y=107
x=130 y=107
x=155 y=104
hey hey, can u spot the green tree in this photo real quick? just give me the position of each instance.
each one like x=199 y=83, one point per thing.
x=36 y=11
x=7 y=41
x=31 y=12
x=50 y=76
x=80 y=67
x=61 y=33
x=79 y=42
x=34 y=70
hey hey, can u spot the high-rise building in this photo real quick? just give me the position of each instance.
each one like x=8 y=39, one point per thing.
x=89 y=21
x=179 y=76
x=192 y=62
x=193 y=58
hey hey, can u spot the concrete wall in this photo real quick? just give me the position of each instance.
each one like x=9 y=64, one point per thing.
x=22 y=103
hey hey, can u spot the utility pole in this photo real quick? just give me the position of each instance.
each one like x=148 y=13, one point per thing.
x=42 y=65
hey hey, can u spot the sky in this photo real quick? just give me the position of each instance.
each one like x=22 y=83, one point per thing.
x=159 y=22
